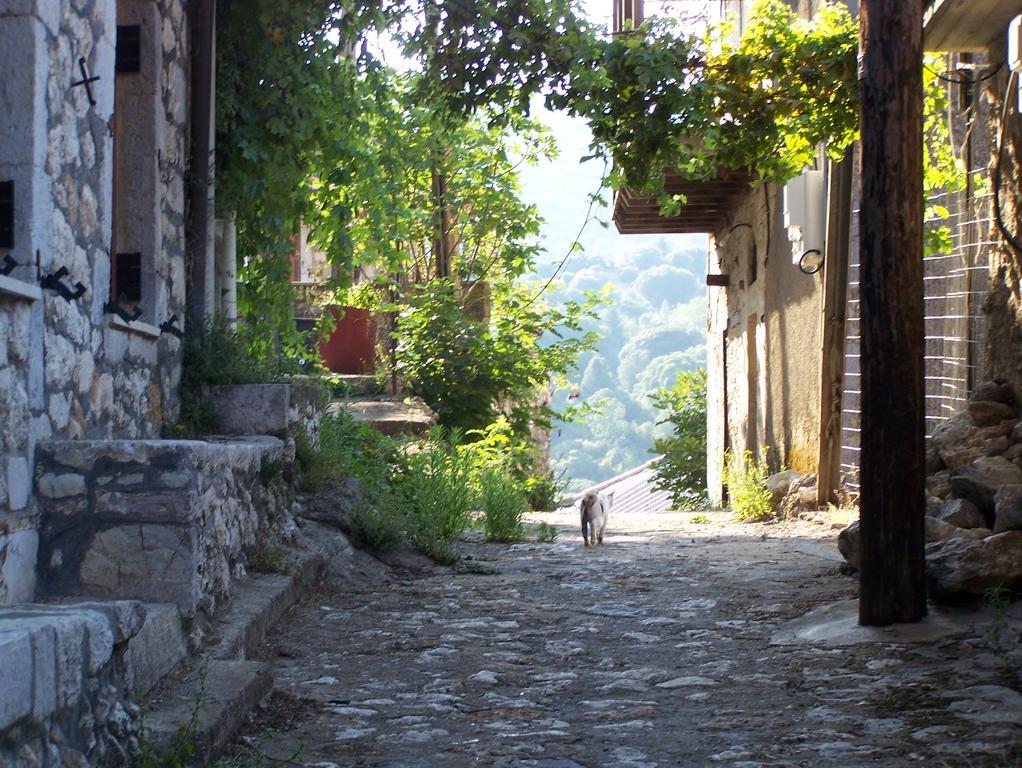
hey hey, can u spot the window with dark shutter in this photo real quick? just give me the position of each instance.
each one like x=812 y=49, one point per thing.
x=127 y=280
x=128 y=58
x=6 y=214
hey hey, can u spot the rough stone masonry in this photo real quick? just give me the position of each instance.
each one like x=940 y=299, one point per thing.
x=68 y=367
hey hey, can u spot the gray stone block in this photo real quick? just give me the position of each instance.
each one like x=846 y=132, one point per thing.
x=1008 y=508
x=18 y=552
x=961 y=513
x=148 y=562
x=252 y=409
x=61 y=486
x=15 y=676
x=979 y=481
x=959 y=566
x=19 y=482
x=157 y=649
x=229 y=690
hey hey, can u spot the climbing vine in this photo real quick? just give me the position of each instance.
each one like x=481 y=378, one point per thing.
x=661 y=96
x=314 y=129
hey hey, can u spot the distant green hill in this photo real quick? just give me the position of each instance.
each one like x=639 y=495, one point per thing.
x=656 y=326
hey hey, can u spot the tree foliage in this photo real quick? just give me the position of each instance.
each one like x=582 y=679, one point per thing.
x=468 y=371
x=682 y=469
x=661 y=96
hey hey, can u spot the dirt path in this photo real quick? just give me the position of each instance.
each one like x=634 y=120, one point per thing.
x=652 y=650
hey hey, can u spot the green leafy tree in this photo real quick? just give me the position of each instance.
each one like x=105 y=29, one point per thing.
x=468 y=370
x=682 y=470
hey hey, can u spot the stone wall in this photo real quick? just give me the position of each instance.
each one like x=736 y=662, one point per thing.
x=64 y=701
x=69 y=368
x=770 y=312
x=1003 y=306
x=157 y=520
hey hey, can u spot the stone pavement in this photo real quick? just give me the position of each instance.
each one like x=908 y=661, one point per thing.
x=654 y=650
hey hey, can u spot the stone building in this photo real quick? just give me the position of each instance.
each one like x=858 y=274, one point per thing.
x=783 y=346
x=766 y=292
x=106 y=248
x=93 y=155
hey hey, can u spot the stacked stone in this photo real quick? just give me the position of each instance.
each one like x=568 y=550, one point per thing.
x=64 y=699
x=166 y=521
x=974 y=498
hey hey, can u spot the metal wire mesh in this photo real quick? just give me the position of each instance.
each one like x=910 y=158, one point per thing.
x=954 y=286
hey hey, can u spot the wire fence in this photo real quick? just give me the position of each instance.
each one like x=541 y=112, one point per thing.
x=955 y=284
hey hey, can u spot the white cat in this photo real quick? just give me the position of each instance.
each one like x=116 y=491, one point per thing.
x=595 y=508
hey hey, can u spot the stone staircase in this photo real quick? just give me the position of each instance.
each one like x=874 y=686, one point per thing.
x=145 y=591
x=206 y=699
x=392 y=415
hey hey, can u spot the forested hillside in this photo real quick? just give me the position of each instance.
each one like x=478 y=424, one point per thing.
x=654 y=328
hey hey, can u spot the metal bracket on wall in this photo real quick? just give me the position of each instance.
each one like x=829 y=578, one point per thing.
x=55 y=282
x=9 y=265
x=172 y=328
x=87 y=80
x=116 y=307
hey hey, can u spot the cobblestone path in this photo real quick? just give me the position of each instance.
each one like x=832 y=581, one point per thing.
x=652 y=650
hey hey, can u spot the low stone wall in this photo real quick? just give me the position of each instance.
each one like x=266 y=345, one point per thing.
x=156 y=520
x=283 y=409
x=63 y=699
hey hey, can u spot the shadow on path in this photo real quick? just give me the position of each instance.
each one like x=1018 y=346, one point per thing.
x=652 y=650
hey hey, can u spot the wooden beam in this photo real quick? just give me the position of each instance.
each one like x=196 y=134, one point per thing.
x=835 y=298
x=892 y=466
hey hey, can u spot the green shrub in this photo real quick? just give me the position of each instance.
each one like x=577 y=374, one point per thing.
x=351 y=448
x=436 y=483
x=267 y=557
x=503 y=503
x=682 y=469
x=347 y=448
x=467 y=371
x=544 y=491
x=378 y=527
x=745 y=478
x=546 y=533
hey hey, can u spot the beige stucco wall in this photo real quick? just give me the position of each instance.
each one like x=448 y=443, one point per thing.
x=770 y=361
x=716 y=327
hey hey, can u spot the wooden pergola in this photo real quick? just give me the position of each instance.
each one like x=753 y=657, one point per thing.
x=706 y=208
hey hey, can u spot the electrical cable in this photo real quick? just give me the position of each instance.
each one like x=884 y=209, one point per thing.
x=571 y=249
x=1009 y=238
x=964 y=80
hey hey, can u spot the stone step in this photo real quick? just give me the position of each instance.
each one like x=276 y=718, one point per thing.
x=355 y=384
x=389 y=415
x=157 y=649
x=258 y=602
x=204 y=709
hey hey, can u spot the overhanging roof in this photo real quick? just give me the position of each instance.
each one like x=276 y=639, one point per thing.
x=966 y=25
x=707 y=207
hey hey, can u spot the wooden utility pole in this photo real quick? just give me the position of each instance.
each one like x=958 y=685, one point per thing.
x=835 y=299
x=892 y=465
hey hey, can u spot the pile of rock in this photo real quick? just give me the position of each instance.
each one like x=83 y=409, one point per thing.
x=974 y=498
x=793 y=494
